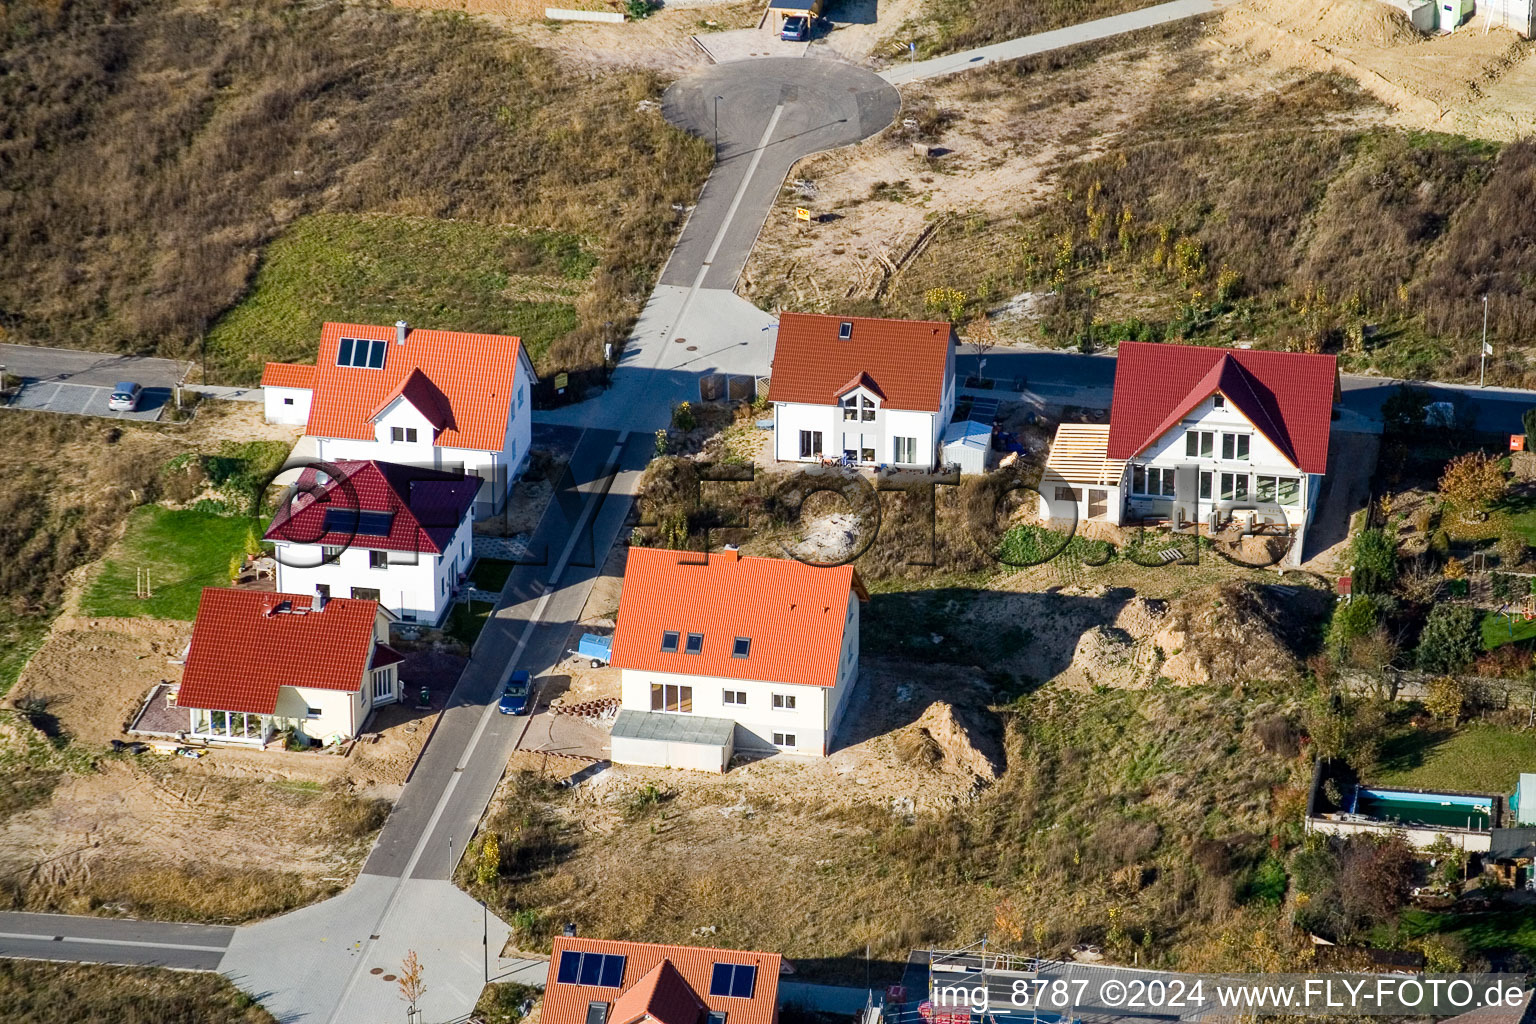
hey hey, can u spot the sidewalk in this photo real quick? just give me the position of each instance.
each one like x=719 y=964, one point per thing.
x=1043 y=42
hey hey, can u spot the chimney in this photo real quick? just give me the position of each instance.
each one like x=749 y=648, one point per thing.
x=318 y=604
x=401 y=330
x=730 y=553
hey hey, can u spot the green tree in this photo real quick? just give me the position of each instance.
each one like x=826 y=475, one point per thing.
x=1375 y=561
x=1352 y=620
x=1450 y=639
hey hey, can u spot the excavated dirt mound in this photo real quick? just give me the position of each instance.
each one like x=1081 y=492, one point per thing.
x=1224 y=634
x=1108 y=656
x=952 y=741
x=1237 y=632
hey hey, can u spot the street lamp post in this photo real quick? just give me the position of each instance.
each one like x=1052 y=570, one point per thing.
x=485 y=938
x=717 y=127
x=1482 y=372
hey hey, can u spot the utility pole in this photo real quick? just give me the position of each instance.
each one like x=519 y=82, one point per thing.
x=1482 y=373
x=450 y=858
x=717 y=127
x=485 y=938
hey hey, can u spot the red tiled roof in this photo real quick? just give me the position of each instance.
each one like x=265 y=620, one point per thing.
x=244 y=649
x=863 y=380
x=793 y=613
x=661 y=996
x=906 y=360
x=418 y=389
x=648 y=986
x=1287 y=396
x=288 y=375
x=474 y=377
x=428 y=506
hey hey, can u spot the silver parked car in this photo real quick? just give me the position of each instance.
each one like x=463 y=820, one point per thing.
x=125 y=396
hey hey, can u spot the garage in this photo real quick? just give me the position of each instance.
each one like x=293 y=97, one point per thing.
x=672 y=741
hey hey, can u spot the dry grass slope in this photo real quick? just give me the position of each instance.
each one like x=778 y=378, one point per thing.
x=152 y=148
x=46 y=993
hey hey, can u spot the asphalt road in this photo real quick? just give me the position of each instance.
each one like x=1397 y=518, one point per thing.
x=772 y=112
x=102 y=369
x=109 y=941
x=458 y=772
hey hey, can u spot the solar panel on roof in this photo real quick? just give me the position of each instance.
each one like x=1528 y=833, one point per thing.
x=734 y=980
x=604 y=970
x=351 y=520
x=361 y=352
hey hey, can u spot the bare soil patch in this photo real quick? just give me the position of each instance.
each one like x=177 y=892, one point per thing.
x=989 y=145
x=1476 y=81
x=131 y=834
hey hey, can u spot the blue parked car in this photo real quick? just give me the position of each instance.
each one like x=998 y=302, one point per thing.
x=514 y=696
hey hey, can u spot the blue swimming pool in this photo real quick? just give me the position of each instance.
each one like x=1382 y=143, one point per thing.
x=1444 y=810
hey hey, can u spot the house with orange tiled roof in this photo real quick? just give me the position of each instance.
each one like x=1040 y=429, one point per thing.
x=261 y=662
x=721 y=654
x=437 y=399
x=861 y=390
x=379 y=531
x=600 y=981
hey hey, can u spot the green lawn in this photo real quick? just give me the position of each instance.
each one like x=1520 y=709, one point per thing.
x=19 y=640
x=1477 y=759
x=1500 y=933
x=1498 y=629
x=450 y=275
x=466 y=620
x=491 y=574
x=184 y=551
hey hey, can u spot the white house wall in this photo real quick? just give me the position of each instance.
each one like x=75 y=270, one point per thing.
x=1264 y=459
x=792 y=417
x=414 y=587
x=757 y=721
x=286 y=405
x=847 y=673
x=341 y=713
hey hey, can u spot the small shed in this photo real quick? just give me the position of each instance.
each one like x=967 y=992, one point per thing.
x=672 y=741
x=968 y=444
x=810 y=10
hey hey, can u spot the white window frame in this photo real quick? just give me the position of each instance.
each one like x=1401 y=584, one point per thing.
x=383 y=685
x=733 y=698
x=1142 y=481
x=1200 y=444
x=785 y=740
x=378 y=559
x=1239 y=445
x=784 y=702
x=904 y=450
